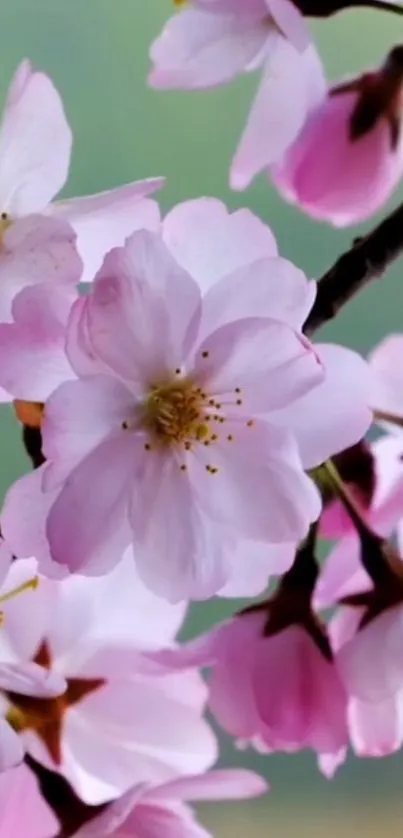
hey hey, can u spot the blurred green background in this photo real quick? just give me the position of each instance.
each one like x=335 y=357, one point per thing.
x=96 y=52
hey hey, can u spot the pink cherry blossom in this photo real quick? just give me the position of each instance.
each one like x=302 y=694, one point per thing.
x=210 y=43
x=348 y=157
x=225 y=381
x=277 y=692
x=32 y=173
x=118 y=725
x=386 y=367
x=23 y=810
x=146 y=812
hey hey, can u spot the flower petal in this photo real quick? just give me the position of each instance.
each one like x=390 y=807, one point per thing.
x=334 y=415
x=210 y=242
x=198 y=50
x=35 y=144
x=105 y=220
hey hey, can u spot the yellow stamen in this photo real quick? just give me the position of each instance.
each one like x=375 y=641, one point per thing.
x=31 y=585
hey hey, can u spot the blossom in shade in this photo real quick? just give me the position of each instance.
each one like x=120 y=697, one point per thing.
x=145 y=812
x=275 y=691
x=23 y=810
x=207 y=44
x=348 y=157
x=116 y=724
x=32 y=173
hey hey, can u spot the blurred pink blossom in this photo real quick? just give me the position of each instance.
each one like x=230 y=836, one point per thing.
x=275 y=691
x=348 y=157
x=162 y=811
x=24 y=813
x=116 y=724
x=210 y=42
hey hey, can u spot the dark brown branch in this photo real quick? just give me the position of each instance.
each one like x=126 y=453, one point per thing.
x=368 y=259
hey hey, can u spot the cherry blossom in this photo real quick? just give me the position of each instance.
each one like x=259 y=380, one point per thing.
x=276 y=692
x=32 y=173
x=23 y=810
x=348 y=157
x=209 y=43
x=170 y=386
x=117 y=724
x=152 y=811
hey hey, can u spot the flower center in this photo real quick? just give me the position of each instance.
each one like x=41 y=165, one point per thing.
x=174 y=412
x=45 y=716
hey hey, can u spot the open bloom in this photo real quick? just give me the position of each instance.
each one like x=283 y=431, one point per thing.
x=23 y=810
x=176 y=412
x=209 y=43
x=33 y=171
x=116 y=725
x=163 y=810
x=276 y=692
x=160 y=403
x=348 y=157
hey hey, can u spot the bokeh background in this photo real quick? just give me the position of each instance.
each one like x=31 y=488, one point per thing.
x=96 y=52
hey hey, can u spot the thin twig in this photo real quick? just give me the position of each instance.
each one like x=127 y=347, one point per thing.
x=367 y=259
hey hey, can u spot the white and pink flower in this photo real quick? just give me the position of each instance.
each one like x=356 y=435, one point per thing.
x=116 y=724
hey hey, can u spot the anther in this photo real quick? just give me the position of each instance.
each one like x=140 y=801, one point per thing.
x=250 y=423
x=147 y=446
x=237 y=389
x=214 y=437
x=183 y=468
x=239 y=401
x=205 y=354
x=230 y=438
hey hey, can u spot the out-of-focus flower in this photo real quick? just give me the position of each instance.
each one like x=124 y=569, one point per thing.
x=35 y=147
x=23 y=810
x=348 y=157
x=276 y=691
x=147 y=812
x=209 y=43
x=116 y=724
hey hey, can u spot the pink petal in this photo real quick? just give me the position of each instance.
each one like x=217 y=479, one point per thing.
x=230 y=784
x=34 y=818
x=105 y=220
x=135 y=299
x=86 y=526
x=252 y=564
x=259 y=488
x=270 y=363
x=371 y=664
x=291 y=22
x=342 y=574
x=23 y=520
x=197 y=49
x=178 y=551
x=36 y=249
x=278 y=113
x=385 y=363
x=271 y=287
x=334 y=415
x=80 y=415
x=79 y=349
x=210 y=242
x=376 y=729
x=31 y=679
x=35 y=144
x=32 y=357
x=11 y=751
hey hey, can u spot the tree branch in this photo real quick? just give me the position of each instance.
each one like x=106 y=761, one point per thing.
x=368 y=259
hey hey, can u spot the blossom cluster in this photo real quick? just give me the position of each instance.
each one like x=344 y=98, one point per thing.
x=189 y=441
